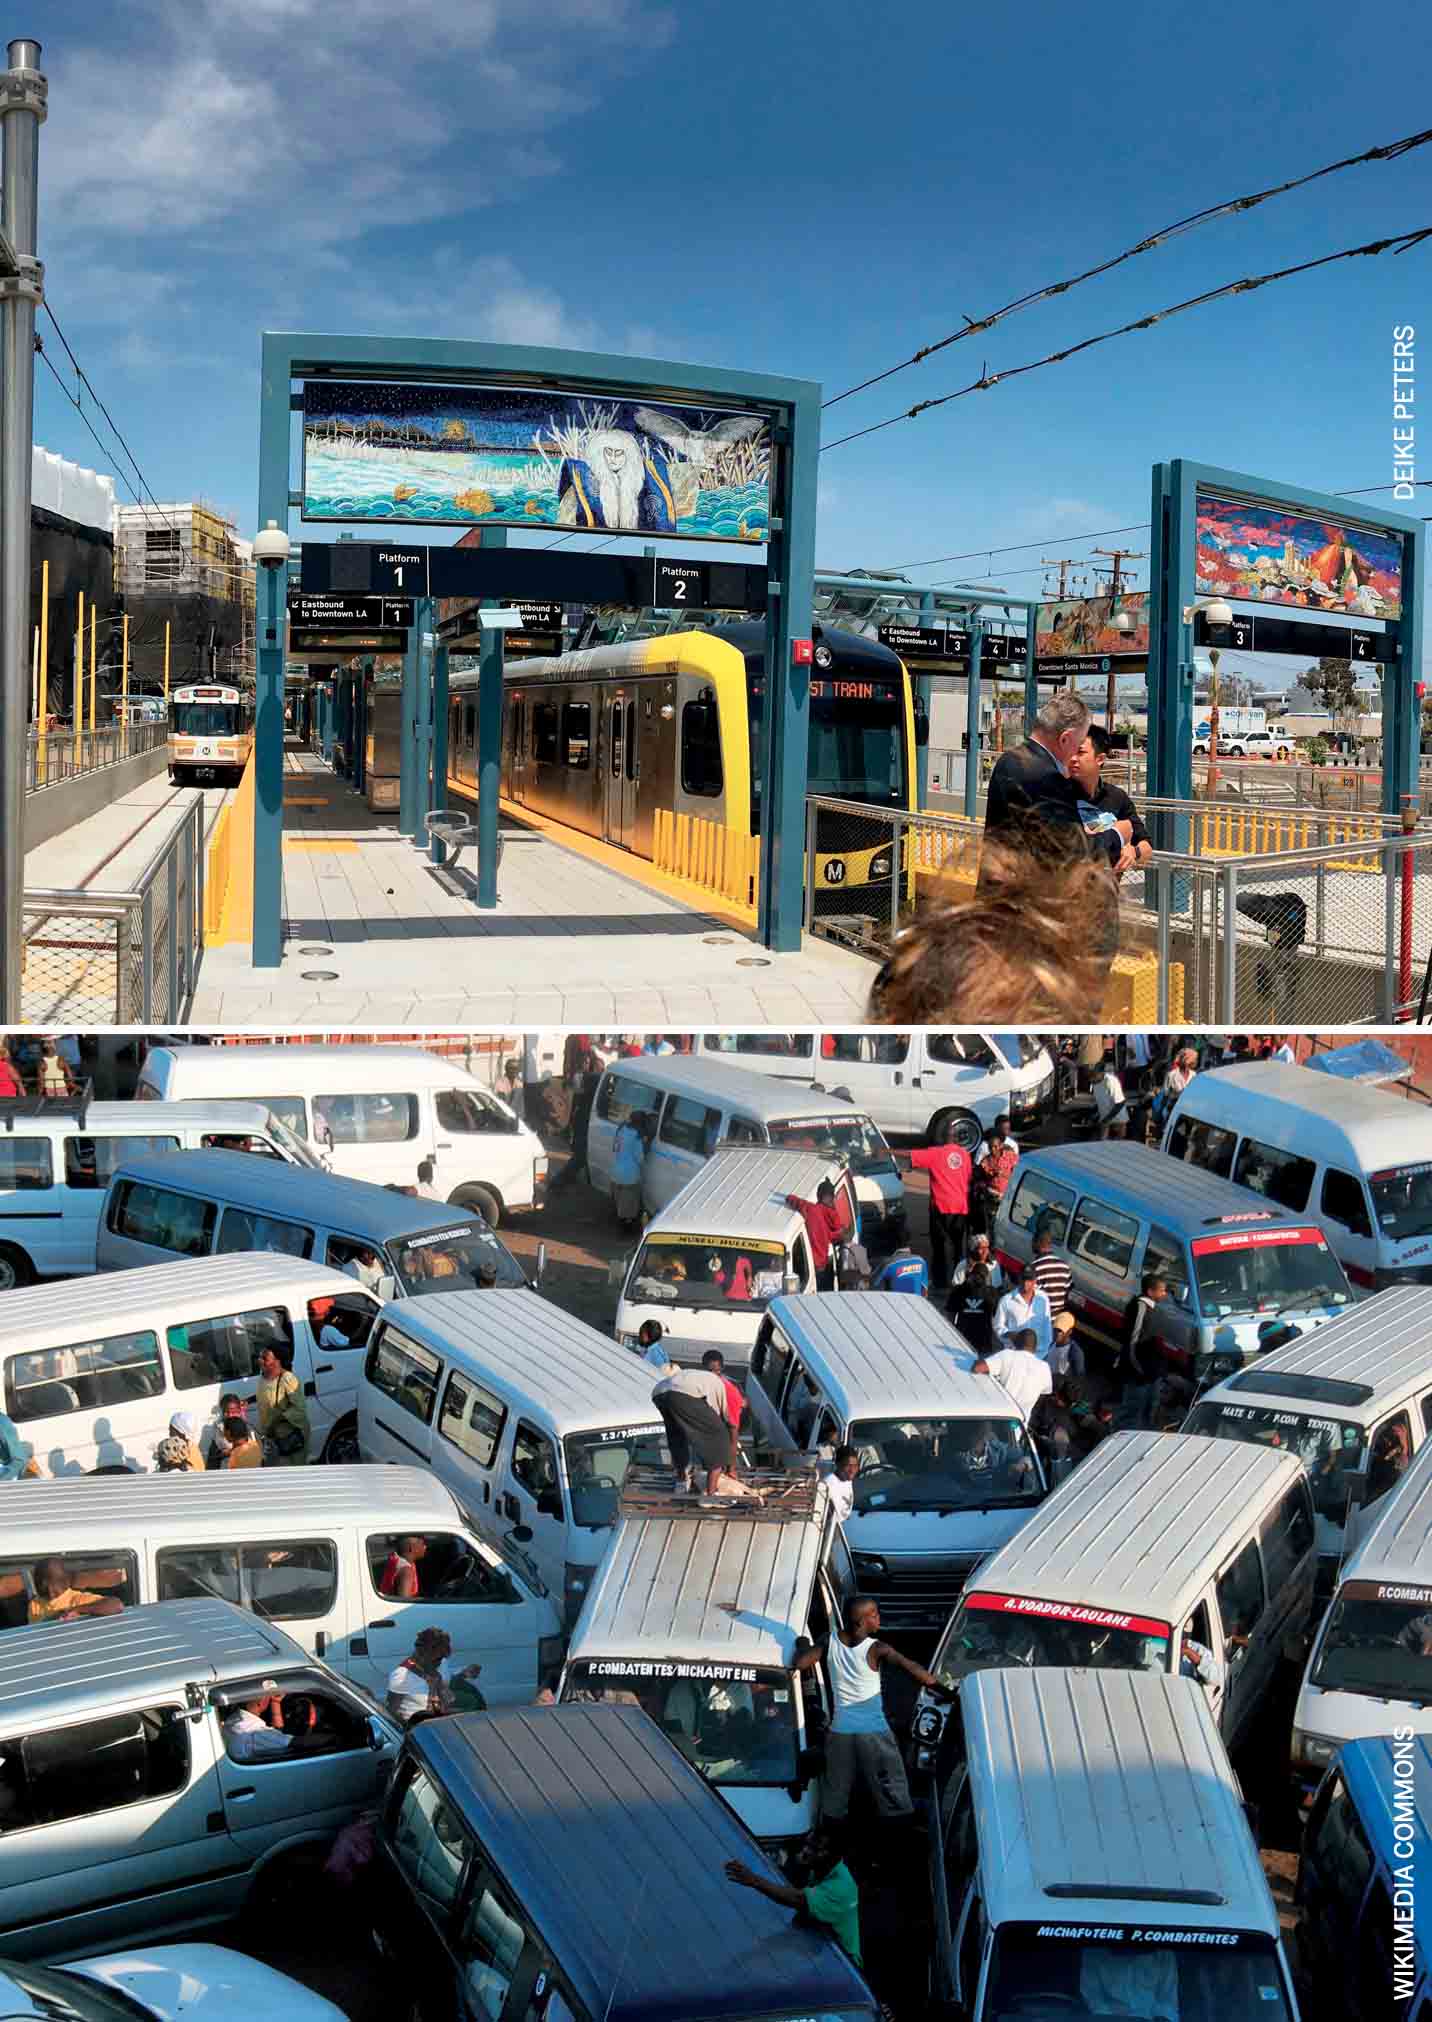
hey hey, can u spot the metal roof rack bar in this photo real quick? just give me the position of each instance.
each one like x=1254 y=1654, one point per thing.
x=782 y=1495
x=26 y=1108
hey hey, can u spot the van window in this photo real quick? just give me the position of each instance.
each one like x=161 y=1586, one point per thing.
x=1391 y=1445
x=1339 y=1846
x=775 y=1045
x=621 y=1097
x=690 y=1126
x=1103 y=1235
x=1345 y=1201
x=289 y=1109
x=467 y=1114
x=1278 y=1175
x=802 y=1403
x=91 y=1376
x=431 y=1845
x=342 y=1321
x=1164 y=1258
x=744 y=1130
x=472 y=1419
x=405 y=1371
x=878 y=1049
x=773 y=1351
x=1041 y=1203
x=534 y=1464
x=449 y=1570
x=1203 y=1144
x=162 y=1218
x=26 y=1163
x=365 y=1119
x=280 y=1580
x=961 y=1049
x=247 y=1229
x=1241 y=1598
x=95 y=1766
x=490 y=1942
x=225 y=1350
x=1427 y=1412
x=91 y=1161
x=113 y=1573
x=1287 y=1536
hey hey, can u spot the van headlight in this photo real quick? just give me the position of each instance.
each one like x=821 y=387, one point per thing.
x=628 y=1341
x=1315 y=1751
x=870 y=1566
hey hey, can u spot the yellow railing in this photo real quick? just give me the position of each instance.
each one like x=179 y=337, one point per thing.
x=1238 y=832
x=229 y=871
x=707 y=853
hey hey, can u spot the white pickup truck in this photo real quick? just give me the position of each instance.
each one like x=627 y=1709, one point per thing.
x=1248 y=744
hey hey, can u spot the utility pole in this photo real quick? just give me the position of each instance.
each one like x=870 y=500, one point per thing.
x=1064 y=563
x=1117 y=556
x=23 y=94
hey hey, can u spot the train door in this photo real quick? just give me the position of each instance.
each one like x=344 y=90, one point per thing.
x=621 y=769
x=517 y=769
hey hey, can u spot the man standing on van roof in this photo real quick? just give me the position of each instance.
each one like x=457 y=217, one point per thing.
x=825 y=1229
x=694 y=1410
x=859 y=1742
x=951 y=1169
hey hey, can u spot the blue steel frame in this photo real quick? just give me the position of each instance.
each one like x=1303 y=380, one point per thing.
x=793 y=406
x=1171 y=666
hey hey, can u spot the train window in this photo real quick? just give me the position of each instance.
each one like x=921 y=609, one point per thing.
x=617 y=721
x=631 y=755
x=577 y=733
x=544 y=732
x=700 y=750
x=469 y=726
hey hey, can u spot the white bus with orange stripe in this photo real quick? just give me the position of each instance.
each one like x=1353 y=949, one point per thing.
x=211 y=731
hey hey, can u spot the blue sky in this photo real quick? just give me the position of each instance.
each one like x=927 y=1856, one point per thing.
x=807 y=189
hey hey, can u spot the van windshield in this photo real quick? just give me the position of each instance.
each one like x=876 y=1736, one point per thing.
x=1330 y=1448
x=597 y=1464
x=707 y=1271
x=462 y=1256
x=735 y=1722
x=1402 y=1201
x=988 y=1631
x=1059 y=1972
x=848 y=1136
x=1378 y=1640
x=293 y=1144
x=1266 y=1273
x=943 y=1463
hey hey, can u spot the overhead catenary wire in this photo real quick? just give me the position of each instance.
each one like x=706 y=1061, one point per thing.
x=82 y=378
x=1388 y=151
x=1402 y=241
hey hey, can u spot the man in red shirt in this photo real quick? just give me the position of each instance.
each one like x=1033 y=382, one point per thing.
x=825 y=1229
x=950 y=1168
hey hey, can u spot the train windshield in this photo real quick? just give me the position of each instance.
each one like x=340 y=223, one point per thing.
x=206 y=719
x=858 y=743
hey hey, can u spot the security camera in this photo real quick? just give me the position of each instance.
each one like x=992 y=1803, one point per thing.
x=271 y=547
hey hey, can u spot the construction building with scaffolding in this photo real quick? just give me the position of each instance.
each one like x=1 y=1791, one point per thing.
x=186 y=580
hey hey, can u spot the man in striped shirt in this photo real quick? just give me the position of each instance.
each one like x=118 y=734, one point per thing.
x=1052 y=1275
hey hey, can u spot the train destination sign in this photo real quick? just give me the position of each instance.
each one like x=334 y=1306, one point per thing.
x=531 y=575
x=1249 y=634
x=949 y=642
x=334 y=611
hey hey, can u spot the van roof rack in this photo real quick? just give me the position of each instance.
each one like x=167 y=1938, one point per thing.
x=27 y=1108
x=783 y=1495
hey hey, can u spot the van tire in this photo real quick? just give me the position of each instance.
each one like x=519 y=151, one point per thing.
x=342 y=1447
x=480 y=1200
x=15 y=1268
x=968 y=1128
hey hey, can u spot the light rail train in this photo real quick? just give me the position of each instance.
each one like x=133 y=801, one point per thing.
x=605 y=738
x=211 y=730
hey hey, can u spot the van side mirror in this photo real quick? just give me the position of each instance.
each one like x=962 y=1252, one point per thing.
x=791 y=1284
x=521 y=1534
x=377 y=1739
x=1356 y=1491
x=541 y=1262
x=617 y=1268
x=387 y=1287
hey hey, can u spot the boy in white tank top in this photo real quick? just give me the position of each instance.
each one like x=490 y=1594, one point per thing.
x=859 y=1741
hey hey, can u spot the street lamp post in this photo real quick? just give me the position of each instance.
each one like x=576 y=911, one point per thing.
x=1119 y=621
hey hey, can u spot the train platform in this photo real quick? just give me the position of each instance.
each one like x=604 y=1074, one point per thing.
x=375 y=934
x=110 y=851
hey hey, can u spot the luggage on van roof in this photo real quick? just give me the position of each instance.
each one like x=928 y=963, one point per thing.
x=1108 y=1788
x=1167 y=1189
x=598 y=1791
x=741 y=1191
x=547 y=1359
x=90 y=1305
x=1372 y=1351
x=895 y=1356
x=1145 y=1509
x=788 y=1495
x=1397 y=1544
x=156 y=1650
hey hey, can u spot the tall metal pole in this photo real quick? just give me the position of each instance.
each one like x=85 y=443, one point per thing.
x=23 y=93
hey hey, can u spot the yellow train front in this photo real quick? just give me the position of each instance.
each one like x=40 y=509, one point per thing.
x=609 y=740
x=211 y=732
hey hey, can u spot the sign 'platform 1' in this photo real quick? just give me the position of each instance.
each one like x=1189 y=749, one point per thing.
x=361 y=569
x=332 y=612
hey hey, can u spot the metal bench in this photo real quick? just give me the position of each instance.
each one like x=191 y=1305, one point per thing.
x=456 y=832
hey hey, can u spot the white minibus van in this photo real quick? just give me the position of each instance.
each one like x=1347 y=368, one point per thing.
x=1355 y=1159
x=948 y=1471
x=911 y=1083
x=196 y=1204
x=309 y=1548
x=1351 y=1401
x=697 y=1613
x=1370 y=1669
x=711 y=1262
x=375 y=1113
x=56 y=1159
x=1155 y=1536
x=694 y=1103
x=92 y=1372
x=1095 y=1858
x=530 y=1416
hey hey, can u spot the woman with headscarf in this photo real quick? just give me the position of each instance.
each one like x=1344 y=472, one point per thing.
x=184 y=1426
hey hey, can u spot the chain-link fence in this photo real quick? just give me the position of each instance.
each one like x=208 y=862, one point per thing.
x=53 y=756
x=1335 y=788
x=120 y=958
x=1257 y=916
